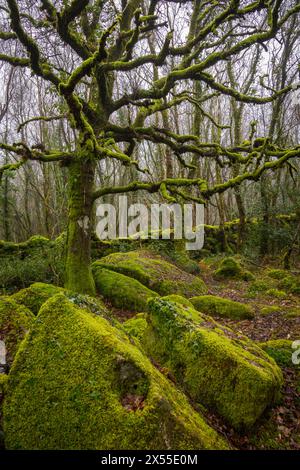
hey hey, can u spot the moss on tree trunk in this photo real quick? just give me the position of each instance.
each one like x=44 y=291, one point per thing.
x=78 y=259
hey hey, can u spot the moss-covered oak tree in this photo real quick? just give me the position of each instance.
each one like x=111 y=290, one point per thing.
x=108 y=40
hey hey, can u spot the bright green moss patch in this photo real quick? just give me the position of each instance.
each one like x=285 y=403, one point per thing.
x=179 y=299
x=136 y=326
x=228 y=268
x=279 y=294
x=280 y=350
x=34 y=296
x=15 y=321
x=78 y=383
x=120 y=290
x=154 y=272
x=213 y=305
x=219 y=368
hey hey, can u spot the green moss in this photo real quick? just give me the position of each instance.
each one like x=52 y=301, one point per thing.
x=34 y=296
x=247 y=276
x=175 y=252
x=270 y=309
x=258 y=287
x=286 y=282
x=3 y=381
x=280 y=350
x=92 y=304
x=78 y=383
x=217 y=367
x=229 y=268
x=276 y=273
x=179 y=299
x=213 y=305
x=36 y=241
x=38 y=293
x=136 y=326
x=268 y=436
x=279 y=294
x=120 y=290
x=155 y=273
x=15 y=321
x=295 y=289
x=292 y=313
x=290 y=284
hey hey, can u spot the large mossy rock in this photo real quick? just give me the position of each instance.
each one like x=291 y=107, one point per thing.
x=222 y=370
x=15 y=322
x=154 y=272
x=121 y=291
x=220 y=307
x=78 y=383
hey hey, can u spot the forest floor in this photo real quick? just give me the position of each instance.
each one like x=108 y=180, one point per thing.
x=277 y=316
x=280 y=426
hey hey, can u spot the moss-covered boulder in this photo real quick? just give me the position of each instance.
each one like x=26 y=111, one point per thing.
x=217 y=306
x=290 y=284
x=280 y=350
x=34 y=296
x=230 y=268
x=15 y=322
x=78 y=383
x=219 y=368
x=154 y=272
x=121 y=291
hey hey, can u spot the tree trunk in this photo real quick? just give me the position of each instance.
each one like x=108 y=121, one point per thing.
x=78 y=261
x=264 y=234
x=241 y=211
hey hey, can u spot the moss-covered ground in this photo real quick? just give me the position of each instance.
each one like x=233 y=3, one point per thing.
x=273 y=295
x=269 y=294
